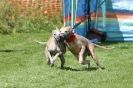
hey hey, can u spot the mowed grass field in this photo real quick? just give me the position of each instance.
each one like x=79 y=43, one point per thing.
x=22 y=65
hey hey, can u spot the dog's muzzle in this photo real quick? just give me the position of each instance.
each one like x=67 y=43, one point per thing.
x=64 y=36
x=59 y=38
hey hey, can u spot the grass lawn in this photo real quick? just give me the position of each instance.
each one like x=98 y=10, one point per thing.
x=22 y=65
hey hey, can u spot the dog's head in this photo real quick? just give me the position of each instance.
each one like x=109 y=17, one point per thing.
x=57 y=35
x=66 y=31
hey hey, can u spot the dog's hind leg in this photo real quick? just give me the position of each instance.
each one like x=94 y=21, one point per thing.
x=46 y=56
x=93 y=55
x=81 y=56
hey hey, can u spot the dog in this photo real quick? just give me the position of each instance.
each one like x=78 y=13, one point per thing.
x=55 y=47
x=78 y=45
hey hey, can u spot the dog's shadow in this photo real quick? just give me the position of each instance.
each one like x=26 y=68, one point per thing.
x=83 y=69
x=10 y=50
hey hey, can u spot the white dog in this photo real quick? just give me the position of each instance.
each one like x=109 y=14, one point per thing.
x=55 y=47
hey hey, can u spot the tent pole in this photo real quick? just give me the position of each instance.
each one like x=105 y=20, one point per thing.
x=97 y=11
x=104 y=13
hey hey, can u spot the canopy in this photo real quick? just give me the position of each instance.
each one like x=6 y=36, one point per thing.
x=115 y=17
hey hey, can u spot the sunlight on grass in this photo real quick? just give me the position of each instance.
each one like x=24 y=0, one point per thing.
x=22 y=65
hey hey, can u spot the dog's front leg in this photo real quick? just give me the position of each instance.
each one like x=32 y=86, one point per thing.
x=48 y=56
x=55 y=57
x=62 y=59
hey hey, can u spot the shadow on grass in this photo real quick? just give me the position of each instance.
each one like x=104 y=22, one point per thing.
x=108 y=43
x=125 y=47
x=9 y=50
x=84 y=69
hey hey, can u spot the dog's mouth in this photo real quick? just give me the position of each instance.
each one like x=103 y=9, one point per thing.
x=65 y=36
x=59 y=38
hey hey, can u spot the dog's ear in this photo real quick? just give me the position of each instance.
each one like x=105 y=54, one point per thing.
x=70 y=28
x=57 y=28
x=53 y=32
x=56 y=32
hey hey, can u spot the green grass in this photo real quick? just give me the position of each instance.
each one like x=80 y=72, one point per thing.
x=22 y=65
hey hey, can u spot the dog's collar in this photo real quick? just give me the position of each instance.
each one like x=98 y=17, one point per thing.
x=72 y=38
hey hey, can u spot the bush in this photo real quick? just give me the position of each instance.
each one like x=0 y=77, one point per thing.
x=32 y=21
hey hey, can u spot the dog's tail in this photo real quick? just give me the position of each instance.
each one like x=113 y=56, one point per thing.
x=42 y=43
x=103 y=47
